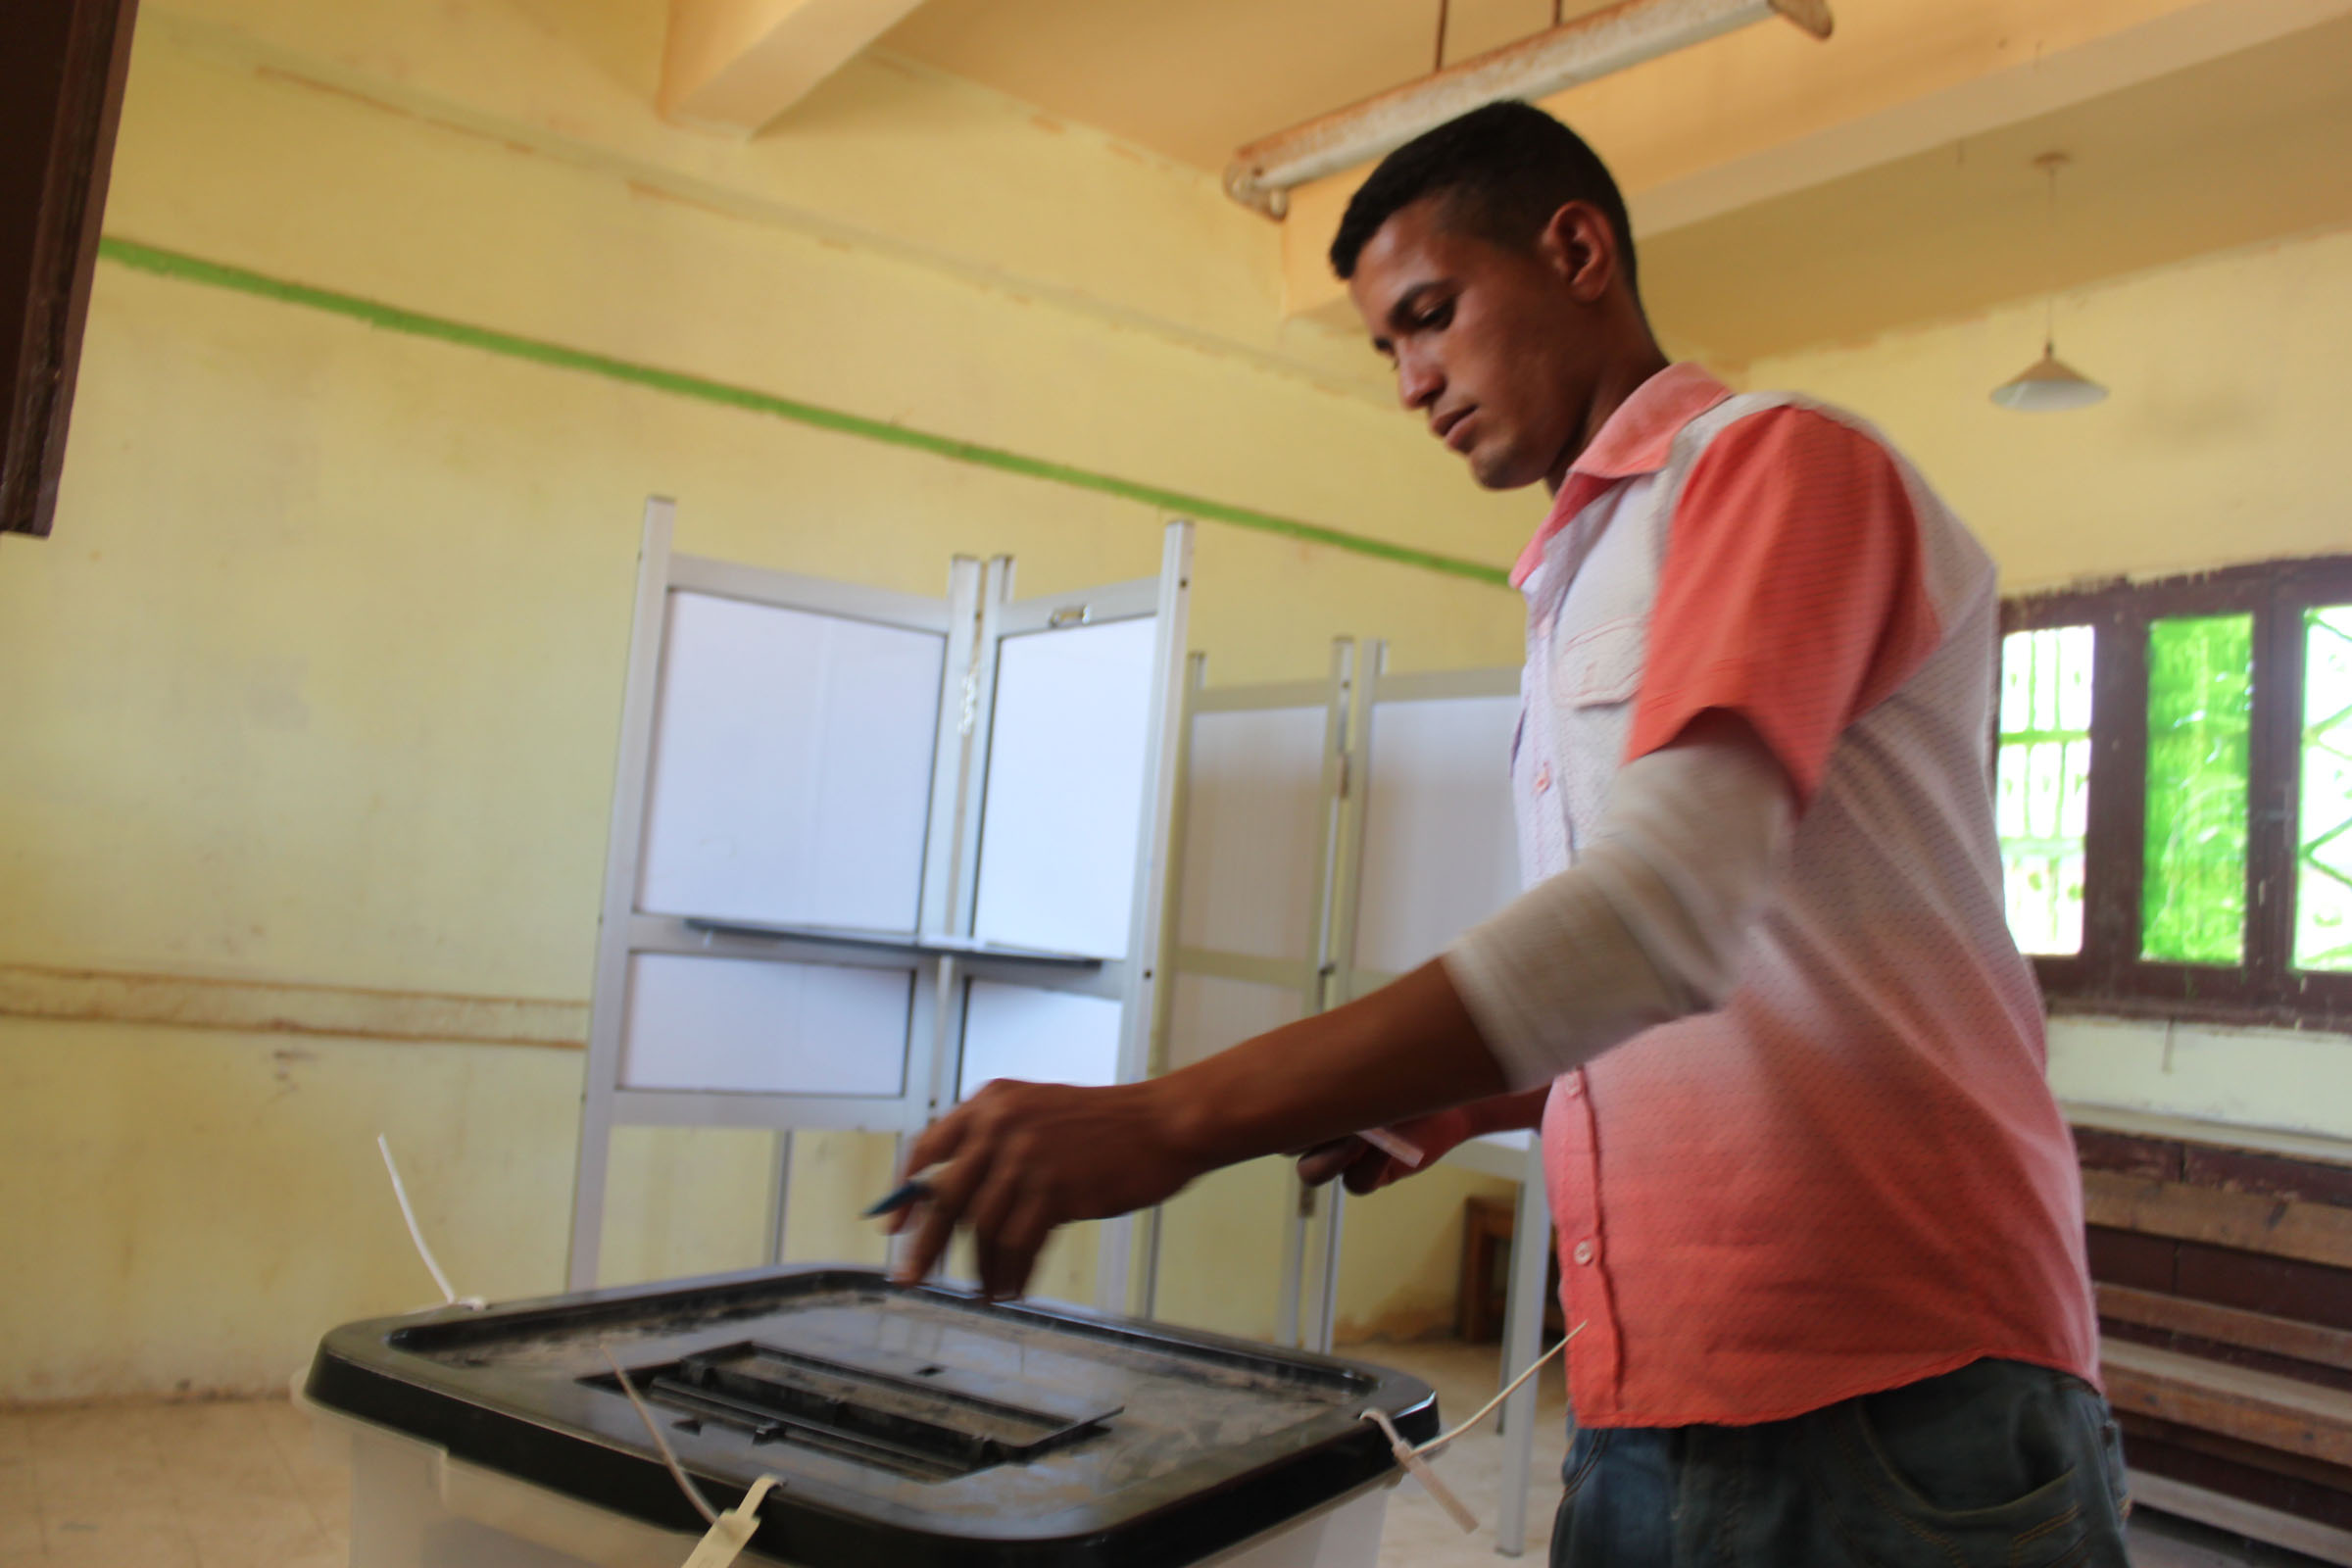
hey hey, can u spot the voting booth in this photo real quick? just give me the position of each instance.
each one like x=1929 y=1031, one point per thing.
x=871 y=850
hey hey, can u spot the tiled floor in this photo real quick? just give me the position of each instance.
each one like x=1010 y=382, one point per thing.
x=238 y=1485
x=232 y=1485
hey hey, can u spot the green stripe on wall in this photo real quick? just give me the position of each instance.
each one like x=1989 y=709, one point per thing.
x=392 y=318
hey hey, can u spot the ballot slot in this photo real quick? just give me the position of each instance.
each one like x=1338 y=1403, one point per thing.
x=919 y=1419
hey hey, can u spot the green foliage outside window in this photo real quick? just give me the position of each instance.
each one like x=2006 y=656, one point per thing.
x=2043 y=785
x=2324 y=838
x=2200 y=707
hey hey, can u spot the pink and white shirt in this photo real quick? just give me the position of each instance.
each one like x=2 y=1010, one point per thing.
x=1851 y=1174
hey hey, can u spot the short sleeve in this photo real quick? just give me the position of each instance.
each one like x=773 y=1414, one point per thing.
x=1792 y=592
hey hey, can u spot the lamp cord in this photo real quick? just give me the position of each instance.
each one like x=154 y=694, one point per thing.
x=2049 y=298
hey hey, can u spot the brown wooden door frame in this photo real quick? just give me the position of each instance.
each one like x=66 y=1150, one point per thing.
x=61 y=98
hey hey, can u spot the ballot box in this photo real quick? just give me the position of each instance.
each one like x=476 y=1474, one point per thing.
x=918 y=1427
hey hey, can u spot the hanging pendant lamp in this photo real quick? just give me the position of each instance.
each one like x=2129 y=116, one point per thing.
x=2049 y=383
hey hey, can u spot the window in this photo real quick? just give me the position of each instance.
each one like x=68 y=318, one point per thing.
x=2174 y=793
x=2043 y=785
x=2324 y=828
x=2192 y=891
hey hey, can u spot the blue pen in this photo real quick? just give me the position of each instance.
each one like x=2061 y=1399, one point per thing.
x=906 y=1197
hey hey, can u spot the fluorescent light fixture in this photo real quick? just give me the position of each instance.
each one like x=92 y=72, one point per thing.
x=1263 y=174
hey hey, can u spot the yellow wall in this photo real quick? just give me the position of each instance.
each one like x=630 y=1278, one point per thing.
x=2222 y=443
x=2218 y=445
x=318 y=683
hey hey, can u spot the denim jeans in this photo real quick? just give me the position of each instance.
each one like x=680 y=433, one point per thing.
x=1997 y=1465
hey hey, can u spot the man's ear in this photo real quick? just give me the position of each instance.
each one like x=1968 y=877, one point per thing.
x=1581 y=249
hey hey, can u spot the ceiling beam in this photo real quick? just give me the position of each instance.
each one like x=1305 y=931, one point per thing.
x=1765 y=114
x=734 y=65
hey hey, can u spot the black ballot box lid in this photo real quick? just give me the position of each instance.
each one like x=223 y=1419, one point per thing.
x=915 y=1426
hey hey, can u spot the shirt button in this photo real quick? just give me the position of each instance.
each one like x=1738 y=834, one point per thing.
x=1583 y=1252
x=1542 y=778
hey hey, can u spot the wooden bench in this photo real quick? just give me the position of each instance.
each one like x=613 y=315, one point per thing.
x=2225 y=1289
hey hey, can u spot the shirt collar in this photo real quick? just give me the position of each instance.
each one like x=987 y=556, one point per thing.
x=1635 y=440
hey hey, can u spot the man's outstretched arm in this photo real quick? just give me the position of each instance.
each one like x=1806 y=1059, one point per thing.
x=1646 y=928
x=1022 y=1158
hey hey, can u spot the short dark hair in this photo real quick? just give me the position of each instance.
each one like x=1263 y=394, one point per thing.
x=1505 y=170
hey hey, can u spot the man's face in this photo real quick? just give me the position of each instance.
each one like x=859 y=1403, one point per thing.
x=1491 y=345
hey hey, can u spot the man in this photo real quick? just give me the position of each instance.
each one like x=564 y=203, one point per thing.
x=1819 y=1215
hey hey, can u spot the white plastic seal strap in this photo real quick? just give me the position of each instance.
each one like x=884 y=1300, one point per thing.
x=432 y=1266
x=1416 y=1460
x=729 y=1532
x=733 y=1530
x=1410 y=1457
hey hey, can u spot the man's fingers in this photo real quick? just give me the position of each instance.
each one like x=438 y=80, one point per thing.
x=1016 y=1247
x=952 y=1192
x=989 y=1209
x=939 y=1142
x=937 y=1228
x=1364 y=1168
x=1322 y=1162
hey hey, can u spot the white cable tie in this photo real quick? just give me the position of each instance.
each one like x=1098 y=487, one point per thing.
x=1417 y=1467
x=415 y=1234
x=653 y=1429
x=729 y=1532
x=1437 y=1445
x=733 y=1530
x=1416 y=1460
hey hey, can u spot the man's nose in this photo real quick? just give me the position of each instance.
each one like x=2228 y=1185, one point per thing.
x=1418 y=382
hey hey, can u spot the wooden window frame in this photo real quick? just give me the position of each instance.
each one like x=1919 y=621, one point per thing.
x=2108 y=976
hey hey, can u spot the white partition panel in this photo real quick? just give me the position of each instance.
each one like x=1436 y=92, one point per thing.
x=1043 y=1037
x=1069 y=754
x=1225 y=1255
x=1255 y=819
x=1440 y=851
x=791 y=766
x=747 y=1027
x=1263 y=767
x=1303 y=885
x=1436 y=852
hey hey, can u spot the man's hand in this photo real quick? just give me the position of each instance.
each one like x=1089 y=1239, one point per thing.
x=1365 y=1169
x=1017 y=1160
x=1023 y=1158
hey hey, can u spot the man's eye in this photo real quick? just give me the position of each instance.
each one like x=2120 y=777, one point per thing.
x=1435 y=320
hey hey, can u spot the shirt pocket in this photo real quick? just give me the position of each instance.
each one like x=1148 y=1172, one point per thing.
x=1601 y=666
x=1595 y=675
